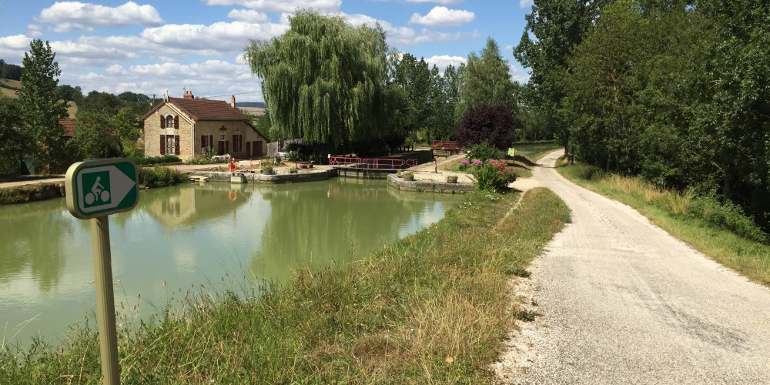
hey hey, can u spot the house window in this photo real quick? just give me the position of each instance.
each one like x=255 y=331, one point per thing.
x=171 y=122
x=237 y=143
x=169 y=144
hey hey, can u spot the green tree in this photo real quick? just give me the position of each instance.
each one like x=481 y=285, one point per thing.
x=70 y=94
x=41 y=108
x=95 y=136
x=13 y=139
x=558 y=27
x=323 y=80
x=103 y=102
x=487 y=80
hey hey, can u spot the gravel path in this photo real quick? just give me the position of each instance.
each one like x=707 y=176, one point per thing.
x=622 y=301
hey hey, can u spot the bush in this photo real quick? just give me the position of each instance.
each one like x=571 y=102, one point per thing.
x=152 y=160
x=728 y=216
x=484 y=152
x=159 y=177
x=492 y=175
x=267 y=169
x=483 y=123
x=203 y=160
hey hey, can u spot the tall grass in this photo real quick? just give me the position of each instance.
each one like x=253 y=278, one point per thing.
x=432 y=307
x=720 y=230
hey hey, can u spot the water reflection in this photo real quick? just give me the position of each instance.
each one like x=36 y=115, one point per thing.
x=187 y=235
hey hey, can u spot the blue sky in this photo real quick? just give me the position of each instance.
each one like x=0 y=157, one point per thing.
x=151 y=46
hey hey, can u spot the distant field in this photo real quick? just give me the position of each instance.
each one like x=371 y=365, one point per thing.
x=9 y=87
x=536 y=150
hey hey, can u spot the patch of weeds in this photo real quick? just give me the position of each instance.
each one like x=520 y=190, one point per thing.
x=523 y=315
x=518 y=271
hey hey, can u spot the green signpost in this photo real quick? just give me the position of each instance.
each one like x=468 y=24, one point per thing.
x=95 y=189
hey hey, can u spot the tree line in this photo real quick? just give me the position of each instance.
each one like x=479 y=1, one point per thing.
x=342 y=89
x=674 y=91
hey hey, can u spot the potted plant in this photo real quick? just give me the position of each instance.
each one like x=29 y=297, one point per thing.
x=408 y=176
x=267 y=169
x=451 y=178
x=293 y=170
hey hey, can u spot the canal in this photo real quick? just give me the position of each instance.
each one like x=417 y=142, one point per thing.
x=190 y=236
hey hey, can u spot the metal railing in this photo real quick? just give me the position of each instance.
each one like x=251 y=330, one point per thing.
x=371 y=163
x=445 y=145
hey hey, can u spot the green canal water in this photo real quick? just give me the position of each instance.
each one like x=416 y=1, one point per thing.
x=182 y=237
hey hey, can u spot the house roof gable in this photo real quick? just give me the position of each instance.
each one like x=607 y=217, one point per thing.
x=202 y=109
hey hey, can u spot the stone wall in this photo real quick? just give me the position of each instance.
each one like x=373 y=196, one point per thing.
x=152 y=133
x=224 y=130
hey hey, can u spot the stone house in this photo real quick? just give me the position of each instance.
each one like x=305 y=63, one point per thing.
x=188 y=127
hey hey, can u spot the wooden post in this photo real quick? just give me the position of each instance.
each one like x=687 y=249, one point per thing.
x=105 y=301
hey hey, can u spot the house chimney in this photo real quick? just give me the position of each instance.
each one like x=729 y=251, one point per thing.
x=232 y=101
x=189 y=95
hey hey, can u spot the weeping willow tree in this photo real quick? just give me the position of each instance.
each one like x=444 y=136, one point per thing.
x=324 y=81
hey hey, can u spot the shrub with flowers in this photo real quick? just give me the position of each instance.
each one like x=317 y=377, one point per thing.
x=492 y=175
x=464 y=165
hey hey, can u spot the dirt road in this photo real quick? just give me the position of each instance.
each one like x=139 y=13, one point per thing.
x=624 y=302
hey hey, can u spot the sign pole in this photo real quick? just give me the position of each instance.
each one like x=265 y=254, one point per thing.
x=94 y=189
x=105 y=301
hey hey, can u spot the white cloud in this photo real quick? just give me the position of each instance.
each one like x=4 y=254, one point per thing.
x=207 y=78
x=443 y=61
x=526 y=3
x=282 y=6
x=116 y=69
x=248 y=15
x=443 y=17
x=509 y=47
x=219 y=37
x=404 y=36
x=12 y=48
x=34 y=30
x=72 y=15
x=518 y=74
x=436 y=1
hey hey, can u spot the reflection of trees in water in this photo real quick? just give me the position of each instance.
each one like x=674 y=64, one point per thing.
x=34 y=235
x=320 y=224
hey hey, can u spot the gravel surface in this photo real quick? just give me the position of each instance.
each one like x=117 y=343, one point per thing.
x=622 y=301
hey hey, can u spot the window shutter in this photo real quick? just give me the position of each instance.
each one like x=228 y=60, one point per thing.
x=176 y=122
x=235 y=143
x=203 y=141
x=211 y=141
x=227 y=147
x=176 y=144
x=162 y=122
x=162 y=144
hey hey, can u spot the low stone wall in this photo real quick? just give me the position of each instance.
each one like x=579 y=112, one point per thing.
x=255 y=177
x=31 y=193
x=429 y=186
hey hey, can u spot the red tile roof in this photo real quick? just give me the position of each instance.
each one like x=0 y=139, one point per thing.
x=69 y=127
x=202 y=109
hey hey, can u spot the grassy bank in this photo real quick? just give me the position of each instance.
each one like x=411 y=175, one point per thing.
x=433 y=307
x=717 y=230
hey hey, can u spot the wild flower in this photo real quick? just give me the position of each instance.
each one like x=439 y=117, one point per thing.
x=477 y=162
x=465 y=161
